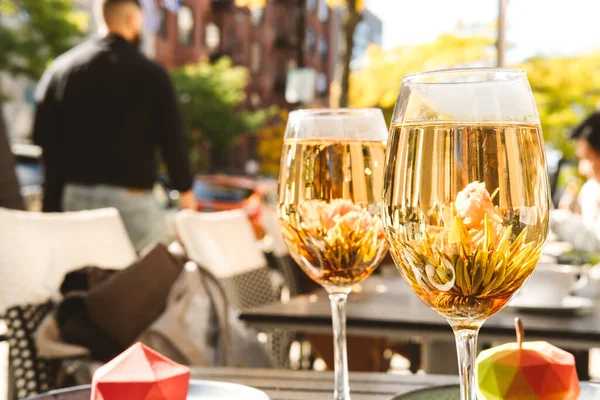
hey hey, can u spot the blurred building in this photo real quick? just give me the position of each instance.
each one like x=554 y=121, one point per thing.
x=285 y=35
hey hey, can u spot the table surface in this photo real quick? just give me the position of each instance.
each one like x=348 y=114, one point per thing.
x=304 y=385
x=298 y=385
x=387 y=307
x=311 y=385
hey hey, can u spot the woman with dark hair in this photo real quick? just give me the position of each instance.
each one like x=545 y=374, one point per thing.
x=582 y=229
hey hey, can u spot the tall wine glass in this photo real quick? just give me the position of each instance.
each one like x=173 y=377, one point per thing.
x=466 y=198
x=329 y=202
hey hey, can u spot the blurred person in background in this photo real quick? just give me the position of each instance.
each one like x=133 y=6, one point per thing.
x=579 y=224
x=103 y=111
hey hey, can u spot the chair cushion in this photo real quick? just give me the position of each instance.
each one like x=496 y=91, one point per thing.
x=109 y=316
x=129 y=301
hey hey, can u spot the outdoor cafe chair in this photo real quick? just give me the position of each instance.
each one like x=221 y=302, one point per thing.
x=36 y=251
x=225 y=244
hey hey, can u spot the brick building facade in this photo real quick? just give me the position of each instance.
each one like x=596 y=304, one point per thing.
x=285 y=34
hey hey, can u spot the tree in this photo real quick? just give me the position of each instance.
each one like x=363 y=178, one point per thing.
x=211 y=96
x=377 y=84
x=565 y=91
x=500 y=41
x=352 y=14
x=32 y=33
x=39 y=32
x=270 y=144
x=565 y=88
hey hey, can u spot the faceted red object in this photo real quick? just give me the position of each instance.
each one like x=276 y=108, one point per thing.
x=140 y=373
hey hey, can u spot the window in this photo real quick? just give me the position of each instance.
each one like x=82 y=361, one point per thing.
x=323 y=13
x=162 y=30
x=256 y=15
x=238 y=52
x=311 y=38
x=212 y=34
x=240 y=16
x=256 y=55
x=185 y=25
x=255 y=99
x=229 y=40
x=322 y=83
x=323 y=47
x=311 y=5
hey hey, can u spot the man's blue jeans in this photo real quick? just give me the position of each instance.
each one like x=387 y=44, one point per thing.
x=141 y=213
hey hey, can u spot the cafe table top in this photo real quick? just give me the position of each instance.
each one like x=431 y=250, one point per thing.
x=301 y=385
x=297 y=385
x=386 y=306
x=311 y=385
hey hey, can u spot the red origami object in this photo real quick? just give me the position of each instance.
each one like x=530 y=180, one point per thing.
x=140 y=373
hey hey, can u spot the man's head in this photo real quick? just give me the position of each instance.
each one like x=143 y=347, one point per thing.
x=587 y=135
x=123 y=17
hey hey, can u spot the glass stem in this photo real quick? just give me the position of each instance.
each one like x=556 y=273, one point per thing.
x=338 y=316
x=466 y=345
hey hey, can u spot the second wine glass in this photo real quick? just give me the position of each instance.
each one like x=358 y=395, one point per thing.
x=329 y=201
x=466 y=198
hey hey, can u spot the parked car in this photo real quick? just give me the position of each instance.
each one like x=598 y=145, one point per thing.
x=228 y=192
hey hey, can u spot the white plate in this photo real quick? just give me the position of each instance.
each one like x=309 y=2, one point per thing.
x=212 y=390
x=570 y=305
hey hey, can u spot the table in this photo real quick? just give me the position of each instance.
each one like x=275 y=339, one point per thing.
x=311 y=385
x=386 y=307
x=298 y=385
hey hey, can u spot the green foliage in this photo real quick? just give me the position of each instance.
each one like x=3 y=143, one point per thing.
x=34 y=32
x=566 y=91
x=270 y=144
x=211 y=96
x=369 y=89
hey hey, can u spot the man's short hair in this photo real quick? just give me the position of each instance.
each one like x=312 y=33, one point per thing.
x=108 y=6
x=589 y=130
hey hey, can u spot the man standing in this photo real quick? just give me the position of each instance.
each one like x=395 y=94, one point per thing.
x=103 y=112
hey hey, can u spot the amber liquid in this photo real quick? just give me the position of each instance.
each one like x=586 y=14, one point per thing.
x=467 y=254
x=330 y=195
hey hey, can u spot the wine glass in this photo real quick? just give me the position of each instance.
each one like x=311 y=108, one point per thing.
x=329 y=204
x=466 y=195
